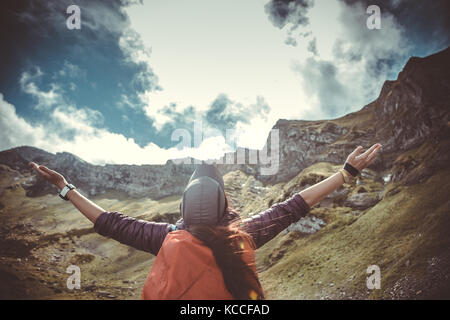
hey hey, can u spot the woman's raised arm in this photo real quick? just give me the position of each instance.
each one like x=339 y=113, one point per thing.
x=317 y=192
x=140 y=234
x=89 y=209
x=265 y=225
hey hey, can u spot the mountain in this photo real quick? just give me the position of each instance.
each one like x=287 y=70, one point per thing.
x=396 y=217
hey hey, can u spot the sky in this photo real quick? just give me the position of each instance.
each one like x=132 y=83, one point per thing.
x=138 y=75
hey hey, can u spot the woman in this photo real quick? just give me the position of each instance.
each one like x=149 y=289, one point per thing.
x=215 y=245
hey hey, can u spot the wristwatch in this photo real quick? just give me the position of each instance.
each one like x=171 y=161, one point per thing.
x=67 y=188
x=345 y=176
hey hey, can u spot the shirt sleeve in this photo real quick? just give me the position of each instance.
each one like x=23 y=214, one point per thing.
x=266 y=225
x=140 y=234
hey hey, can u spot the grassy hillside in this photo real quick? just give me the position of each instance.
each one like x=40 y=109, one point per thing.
x=40 y=237
x=405 y=234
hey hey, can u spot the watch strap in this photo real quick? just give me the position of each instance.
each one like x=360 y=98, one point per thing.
x=67 y=188
x=345 y=176
x=351 y=169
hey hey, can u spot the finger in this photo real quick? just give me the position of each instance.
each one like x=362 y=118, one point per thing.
x=369 y=162
x=33 y=165
x=368 y=151
x=372 y=155
x=47 y=170
x=355 y=152
x=38 y=170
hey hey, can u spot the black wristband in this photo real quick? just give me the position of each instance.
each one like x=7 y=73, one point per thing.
x=351 y=169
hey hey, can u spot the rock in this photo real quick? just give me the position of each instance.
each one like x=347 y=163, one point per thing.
x=103 y=293
x=309 y=224
x=361 y=190
x=82 y=258
x=55 y=258
x=90 y=288
x=362 y=201
x=387 y=178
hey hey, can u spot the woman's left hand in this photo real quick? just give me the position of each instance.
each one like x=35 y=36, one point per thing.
x=50 y=175
x=361 y=161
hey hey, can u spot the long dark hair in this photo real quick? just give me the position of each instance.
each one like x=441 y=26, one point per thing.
x=228 y=244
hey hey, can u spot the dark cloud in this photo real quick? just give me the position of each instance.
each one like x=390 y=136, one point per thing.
x=178 y=119
x=290 y=41
x=219 y=114
x=381 y=52
x=321 y=80
x=224 y=114
x=427 y=23
x=312 y=46
x=93 y=67
x=292 y=12
x=362 y=59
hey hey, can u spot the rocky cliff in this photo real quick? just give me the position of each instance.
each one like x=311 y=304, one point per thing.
x=154 y=181
x=409 y=111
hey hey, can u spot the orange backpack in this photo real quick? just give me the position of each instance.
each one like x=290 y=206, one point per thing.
x=186 y=269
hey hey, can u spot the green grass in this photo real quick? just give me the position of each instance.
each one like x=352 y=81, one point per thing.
x=410 y=225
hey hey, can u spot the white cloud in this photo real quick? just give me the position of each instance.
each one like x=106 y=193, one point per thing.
x=45 y=99
x=95 y=145
x=70 y=70
x=156 y=101
x=349 y=71
x=15 y=130
x=79 y=120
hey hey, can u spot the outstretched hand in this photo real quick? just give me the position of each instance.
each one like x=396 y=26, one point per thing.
x=50 y=175
x=361 y=161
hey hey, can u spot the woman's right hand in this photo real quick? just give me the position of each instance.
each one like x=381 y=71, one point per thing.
x=361 y=161
x=50 y=175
